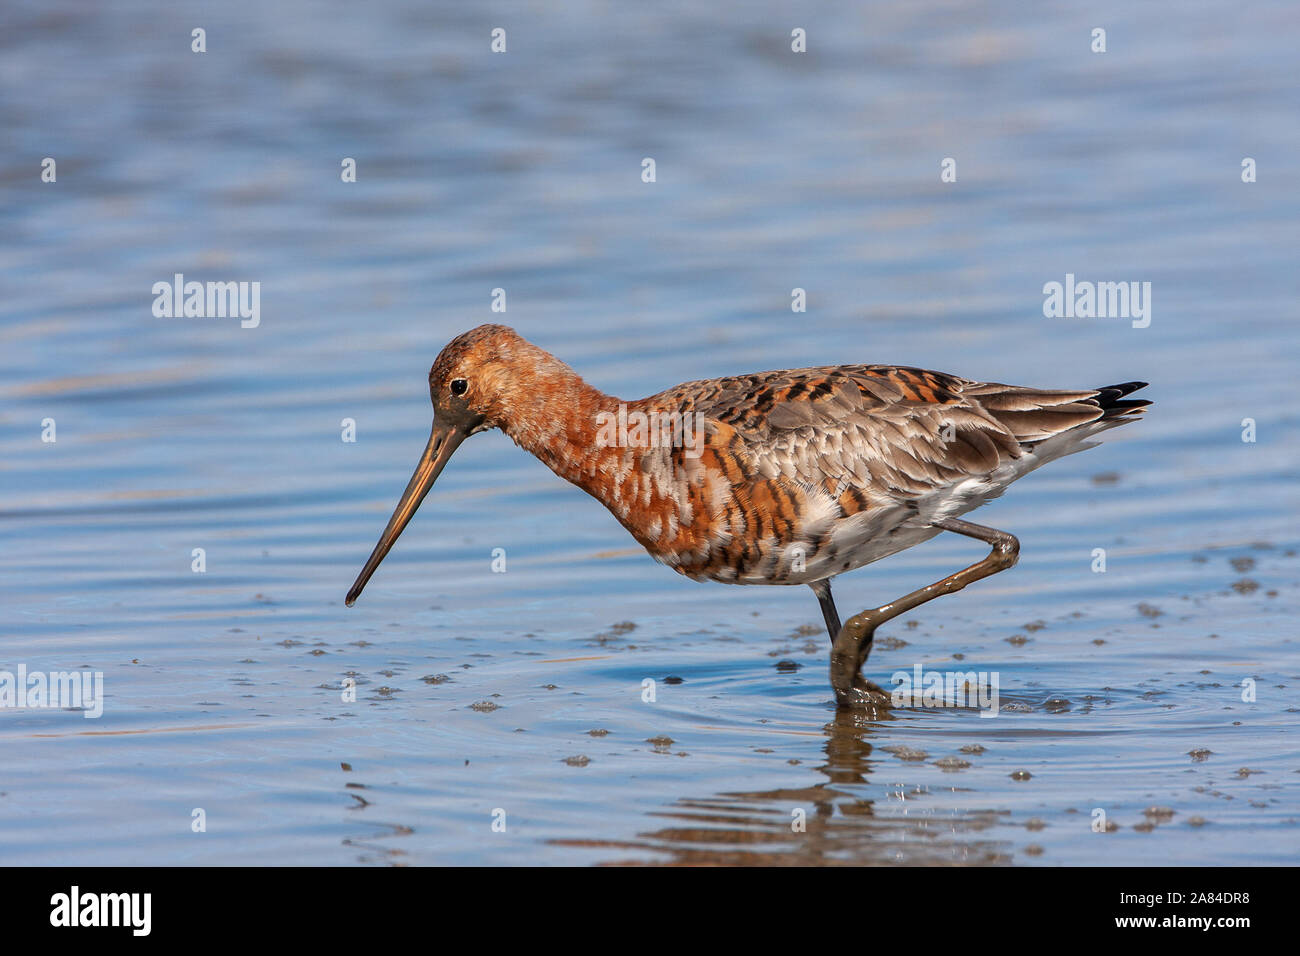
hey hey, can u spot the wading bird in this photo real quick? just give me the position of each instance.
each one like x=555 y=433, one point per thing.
x=797 y=476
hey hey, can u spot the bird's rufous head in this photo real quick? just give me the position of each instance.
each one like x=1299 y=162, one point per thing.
x=474 y=376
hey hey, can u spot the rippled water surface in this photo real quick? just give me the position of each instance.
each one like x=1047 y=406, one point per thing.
x=484 y=696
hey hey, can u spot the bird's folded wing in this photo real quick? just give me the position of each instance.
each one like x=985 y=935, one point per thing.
x=879 y=430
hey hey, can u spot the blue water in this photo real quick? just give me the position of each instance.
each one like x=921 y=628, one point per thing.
x=522 y=171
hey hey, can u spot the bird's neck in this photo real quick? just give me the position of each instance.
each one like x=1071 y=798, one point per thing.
x=623 y=454
x=558 y=417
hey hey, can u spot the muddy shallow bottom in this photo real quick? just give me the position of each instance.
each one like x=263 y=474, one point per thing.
x=1121 y=736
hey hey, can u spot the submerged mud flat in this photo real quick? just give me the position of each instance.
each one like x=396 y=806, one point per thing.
x=488 y=702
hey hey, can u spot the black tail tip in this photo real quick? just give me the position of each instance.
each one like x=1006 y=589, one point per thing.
x=1126 y=388
x=1108 y=399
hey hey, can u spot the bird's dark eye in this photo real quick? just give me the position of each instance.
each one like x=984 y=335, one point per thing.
x=458 y=386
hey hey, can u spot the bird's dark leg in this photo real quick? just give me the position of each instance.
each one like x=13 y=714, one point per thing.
x=853 y=643
x=823 y=591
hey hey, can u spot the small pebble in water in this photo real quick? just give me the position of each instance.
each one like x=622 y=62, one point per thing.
x=906 y=753
x=1021 y=775
x=952 y=763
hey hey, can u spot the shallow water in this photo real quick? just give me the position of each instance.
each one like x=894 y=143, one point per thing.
x=522 y=171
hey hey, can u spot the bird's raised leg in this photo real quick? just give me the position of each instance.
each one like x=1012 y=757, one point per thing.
x=853 y=643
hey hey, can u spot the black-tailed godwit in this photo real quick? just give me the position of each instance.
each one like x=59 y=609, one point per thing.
x=787 y=477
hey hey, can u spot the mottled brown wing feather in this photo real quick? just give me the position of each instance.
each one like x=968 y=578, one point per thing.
x=880 y=430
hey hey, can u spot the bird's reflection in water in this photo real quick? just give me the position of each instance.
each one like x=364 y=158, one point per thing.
x=840 y=825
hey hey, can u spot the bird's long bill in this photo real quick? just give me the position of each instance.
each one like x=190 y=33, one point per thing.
x=442 y=442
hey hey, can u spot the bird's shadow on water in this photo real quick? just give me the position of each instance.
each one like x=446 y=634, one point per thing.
x=839 y=821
